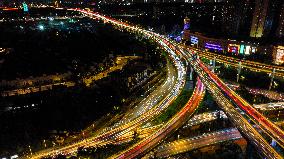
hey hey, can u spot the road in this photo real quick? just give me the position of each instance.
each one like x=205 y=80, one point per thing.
x=195 y=120
x=267 y=93
x=168 y=128
x=147 y=131
x=204 y=117
x=242 y=114
x=144 y=132
x=239 y=111
x=251 y=65
x=151 y=100
x=185 y=145
x=270 y=106
x=120 y=129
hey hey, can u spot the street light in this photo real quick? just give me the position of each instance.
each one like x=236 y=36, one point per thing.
x=41 y=27
x=44 y=143
x=30 y=150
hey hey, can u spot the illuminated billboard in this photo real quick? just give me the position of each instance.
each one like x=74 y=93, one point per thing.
x=279 y=59
x=194 y=39
x=242 y=49
x=253 y=49
x=233 y=48
x=25 y=7
x=212 y=46
x=247 y=50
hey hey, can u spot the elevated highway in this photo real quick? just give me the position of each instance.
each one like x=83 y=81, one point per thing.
x=233 y=61
x=168 y=128
x=258 y=129
x=189 y=144
x=136 y=118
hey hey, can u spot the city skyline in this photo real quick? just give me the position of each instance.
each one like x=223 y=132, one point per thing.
x=142 y=79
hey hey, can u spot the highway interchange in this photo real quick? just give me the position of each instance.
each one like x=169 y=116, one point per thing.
x=177 y=82
x=242 y=114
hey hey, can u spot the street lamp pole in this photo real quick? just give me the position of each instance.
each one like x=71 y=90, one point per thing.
x=31 y=153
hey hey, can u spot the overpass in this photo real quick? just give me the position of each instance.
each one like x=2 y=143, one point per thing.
x=238 y=110
x=176 y=81
x=168 y=128
x=233 y=61
x=241 y=113
x=189 y=144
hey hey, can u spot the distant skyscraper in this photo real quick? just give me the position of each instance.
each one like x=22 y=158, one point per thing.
x=267 y=19
x=259 y=18
x=280 y=27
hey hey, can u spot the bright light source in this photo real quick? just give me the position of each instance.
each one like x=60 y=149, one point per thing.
x=14 y=156
x=41 y=27
x=51 y=18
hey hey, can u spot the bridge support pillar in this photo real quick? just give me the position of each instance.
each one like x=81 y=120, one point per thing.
x=191 y=74
x=272 y=78
x=239 y=71
x=251 y=151
x=214 y=64
x=190 y=79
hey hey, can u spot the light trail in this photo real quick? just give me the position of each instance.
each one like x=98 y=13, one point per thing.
x=135 y=123
x=243 y=119
x=168 y=128
x=251 y=65
x=189 y=144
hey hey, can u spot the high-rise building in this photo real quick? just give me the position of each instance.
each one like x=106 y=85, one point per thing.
x=280 y=28
x=259 y=18
x=267 y=18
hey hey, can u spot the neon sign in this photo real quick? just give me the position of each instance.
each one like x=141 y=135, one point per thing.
x=213 y=46
x=233 y=48
x=186 y=26
x=279 y=55
x=25 y=7
x=247 y=50
x=242 y=49
x=194 y=39
x=253 y=49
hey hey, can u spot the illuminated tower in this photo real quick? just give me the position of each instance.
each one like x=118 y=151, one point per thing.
x=259 y=18
x=186 y=27
x=186 y=23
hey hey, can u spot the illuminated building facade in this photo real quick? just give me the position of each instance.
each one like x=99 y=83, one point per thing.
x=267 y=19
x=220 y=45
x=259 y=18
x=278 y=55
x=280 y=27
